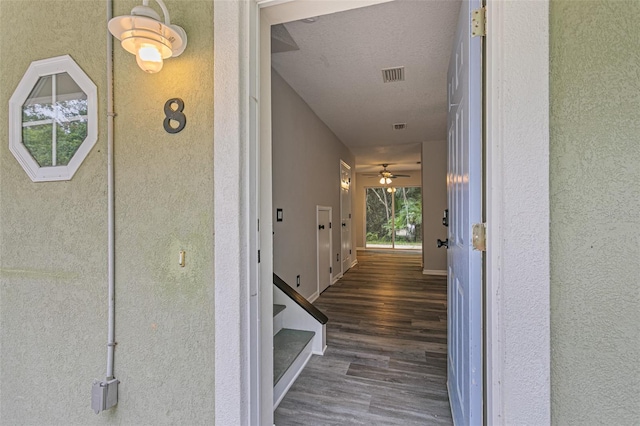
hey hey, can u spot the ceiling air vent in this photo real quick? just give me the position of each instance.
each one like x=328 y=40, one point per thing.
x=390 y=75
x=399 y=126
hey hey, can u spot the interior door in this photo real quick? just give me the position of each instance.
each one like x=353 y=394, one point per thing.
x=324 y=249
x=345 y=215
x=464 y=181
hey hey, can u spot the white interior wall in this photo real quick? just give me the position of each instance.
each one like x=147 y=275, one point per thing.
x=434 y=196
x=306 y=173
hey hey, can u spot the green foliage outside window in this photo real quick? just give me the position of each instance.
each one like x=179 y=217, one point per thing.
x=71 y=130
x=408 y=215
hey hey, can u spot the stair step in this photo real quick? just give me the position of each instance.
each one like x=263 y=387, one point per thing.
x=277 y=309
x=287 y=345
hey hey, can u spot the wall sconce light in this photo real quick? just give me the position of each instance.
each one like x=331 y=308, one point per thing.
x=144 y=35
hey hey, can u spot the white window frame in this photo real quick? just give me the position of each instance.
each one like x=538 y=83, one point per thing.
x=37 y=70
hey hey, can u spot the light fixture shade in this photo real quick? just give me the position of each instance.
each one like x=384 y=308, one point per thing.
x=382 y=180
x=143 y=35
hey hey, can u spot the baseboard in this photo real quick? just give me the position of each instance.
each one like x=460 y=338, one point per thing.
x=313 y=297
x=434 y=272
x=336 y=278
x=355 y=262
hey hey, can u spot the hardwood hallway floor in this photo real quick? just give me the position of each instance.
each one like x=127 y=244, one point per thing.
x=387 y=344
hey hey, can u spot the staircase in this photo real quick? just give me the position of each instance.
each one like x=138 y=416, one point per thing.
x=298 y=333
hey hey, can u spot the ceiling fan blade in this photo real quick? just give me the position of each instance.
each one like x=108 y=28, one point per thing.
x=397 y=176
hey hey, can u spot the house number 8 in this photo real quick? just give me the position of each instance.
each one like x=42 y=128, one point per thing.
x=174 y=114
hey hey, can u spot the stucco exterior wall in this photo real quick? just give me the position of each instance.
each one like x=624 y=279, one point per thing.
x=306 y=173
x=53 y=236
x=595 y=224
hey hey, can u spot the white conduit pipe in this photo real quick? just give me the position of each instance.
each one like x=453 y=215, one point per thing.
x=104 y=394
x=110 y=201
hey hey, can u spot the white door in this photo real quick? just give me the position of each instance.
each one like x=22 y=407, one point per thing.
x=324 y=248
x=345 y=215
x=464 y=378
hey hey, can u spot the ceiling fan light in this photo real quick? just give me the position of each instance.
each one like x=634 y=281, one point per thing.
x=382 y=180
x=388 y=181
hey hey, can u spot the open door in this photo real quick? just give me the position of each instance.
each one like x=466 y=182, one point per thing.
x=323 y=224
x=464 y=187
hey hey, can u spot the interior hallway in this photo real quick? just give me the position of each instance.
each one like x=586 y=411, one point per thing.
x=385 y=363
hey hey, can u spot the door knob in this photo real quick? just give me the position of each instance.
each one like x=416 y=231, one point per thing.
x=320 y=226
x=344 y=224
x=444 y=243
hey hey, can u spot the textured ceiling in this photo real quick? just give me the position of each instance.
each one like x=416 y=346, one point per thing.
x=337 y=71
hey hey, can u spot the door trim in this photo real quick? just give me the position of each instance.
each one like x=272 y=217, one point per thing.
x=518 y=227
x=318 y=210
x=343 y=163
x=517 y=273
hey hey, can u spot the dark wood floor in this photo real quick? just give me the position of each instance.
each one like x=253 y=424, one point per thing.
x=387 y=343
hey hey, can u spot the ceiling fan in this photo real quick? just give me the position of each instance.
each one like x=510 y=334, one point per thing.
x=386 y=175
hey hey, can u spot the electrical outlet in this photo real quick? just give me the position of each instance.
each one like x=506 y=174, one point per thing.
x=104 y=395
x=298 y=281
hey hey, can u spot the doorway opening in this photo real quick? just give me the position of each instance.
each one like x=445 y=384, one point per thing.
x=517 y=153
x=302 y=170
x=394 y=218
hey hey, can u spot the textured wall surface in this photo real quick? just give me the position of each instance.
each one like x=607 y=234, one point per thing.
x=53 y=236
x=306 y=173
x=595 y=200
x=517 y=297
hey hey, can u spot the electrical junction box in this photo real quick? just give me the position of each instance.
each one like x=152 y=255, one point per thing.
x=104 y=395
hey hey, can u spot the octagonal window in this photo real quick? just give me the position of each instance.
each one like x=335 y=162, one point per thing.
x=53 y=119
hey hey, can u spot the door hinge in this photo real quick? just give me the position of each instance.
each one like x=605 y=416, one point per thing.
x=479 y=233
x=258 y=256
x=329 y=225
x=349 y=251
x=330 y=270
x=479 y=22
